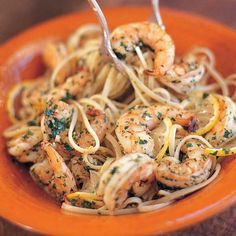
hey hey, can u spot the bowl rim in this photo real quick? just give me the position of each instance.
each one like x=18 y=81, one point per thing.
x=220 y=205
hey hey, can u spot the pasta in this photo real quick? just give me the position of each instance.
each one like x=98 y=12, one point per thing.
x=103 y=141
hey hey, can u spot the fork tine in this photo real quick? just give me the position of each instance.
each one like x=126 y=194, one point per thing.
x=107 y=48
x=157 y=13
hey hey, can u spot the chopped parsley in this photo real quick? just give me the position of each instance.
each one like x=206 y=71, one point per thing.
x=214 y=153
x=205 y=95
x=213 y=137
x=28 y=134
x=68 y=147
x=227 y=134
x=182 y=156
x=159 y=115
x=114 y=170
x=48 y=112
x=189 y=145
x=191 y=66
x=36 y=147
x=73 y=202
x=226 y=151
x=87 y=204
x=56 y=126
x=146 y=114
x=122 y=44
x=67 y=96
x=142 y=141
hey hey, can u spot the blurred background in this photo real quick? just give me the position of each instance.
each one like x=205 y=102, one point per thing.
x=17 y=15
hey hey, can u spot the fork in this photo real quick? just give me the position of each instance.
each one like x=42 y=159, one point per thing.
x=107 y=48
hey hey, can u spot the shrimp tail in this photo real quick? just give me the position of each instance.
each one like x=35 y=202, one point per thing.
x=152 y=72
x=190 y=123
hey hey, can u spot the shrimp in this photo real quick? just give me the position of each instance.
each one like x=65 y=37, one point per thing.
x=56 y=118
x=72 y=86
x=54 y=174
x=53 y=54
x=225 y=128
x=79 y=170
x=133 y=127
x=27 y=95
x=57 y=121
x=24 y=143
x=183 y=77
x=124 y=175
x=98 y=122
x=125 y=38
x=190 y=171
x=42 y=173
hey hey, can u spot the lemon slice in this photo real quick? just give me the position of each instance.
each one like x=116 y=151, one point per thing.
x=14 y=92
x=221 y=152
x=83 y=195
x=160 y=136
x=207 y=109
x=214 y=118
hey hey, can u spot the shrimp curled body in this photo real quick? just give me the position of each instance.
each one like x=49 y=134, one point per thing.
x=133 y=127
x=183 y=77
x=193 y=170
x=53 y=174
x=225 y=128
x=125 y=38
x=127 y=173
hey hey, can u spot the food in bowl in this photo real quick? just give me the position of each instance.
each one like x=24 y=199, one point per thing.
x=103 y=141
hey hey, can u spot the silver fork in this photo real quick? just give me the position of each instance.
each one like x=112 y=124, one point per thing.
x=107 y=48
x=157 y=13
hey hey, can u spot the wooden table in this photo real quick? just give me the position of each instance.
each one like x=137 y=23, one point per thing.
x=18 y=15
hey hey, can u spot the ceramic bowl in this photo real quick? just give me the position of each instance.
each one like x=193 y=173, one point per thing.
x=24 y=204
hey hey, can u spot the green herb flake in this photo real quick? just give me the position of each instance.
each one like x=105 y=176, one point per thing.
x=68 y=147
x=87 y=204
x=114 y=170
x=73 y=202
x=213 y=137
x=189 y=145
x=214 y=153
x=235 y=119
x=227 y=134
x=142 y=141
x=56 y=126
x=159 y=115
x=122 y=44
x=36 y=147
x=205 y=95
x=226 y=151
x=28 y=134
x=146 y=114
x=67 y=97
x=48 y=112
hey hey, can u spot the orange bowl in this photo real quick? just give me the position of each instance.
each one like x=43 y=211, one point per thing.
x=23 y=203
